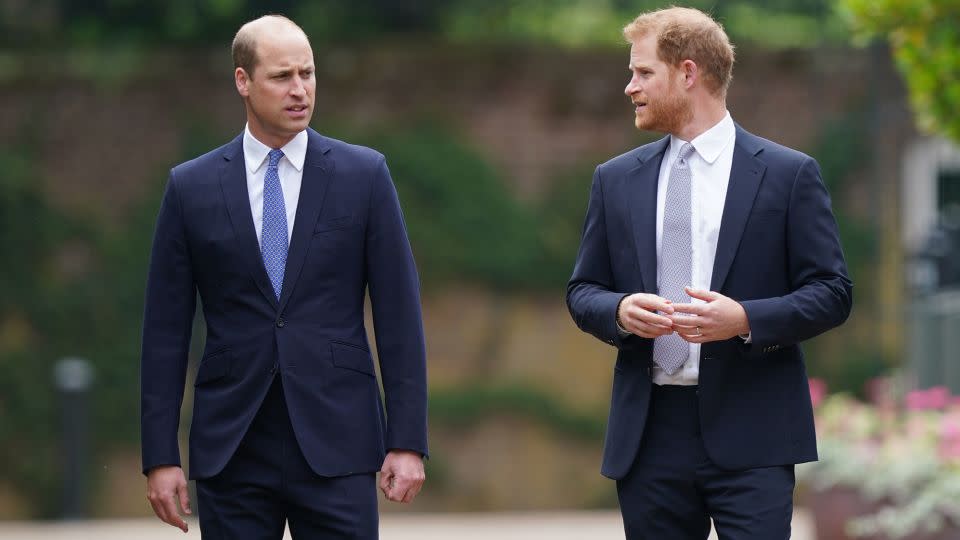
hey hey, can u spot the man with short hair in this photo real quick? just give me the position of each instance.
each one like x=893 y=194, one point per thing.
x=281 y=232
x=706 y=258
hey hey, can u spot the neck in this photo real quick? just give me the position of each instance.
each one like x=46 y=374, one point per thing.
x=273 y=140
x=706 y=114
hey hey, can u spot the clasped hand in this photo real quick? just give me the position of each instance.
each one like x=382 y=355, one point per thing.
x=716 y=319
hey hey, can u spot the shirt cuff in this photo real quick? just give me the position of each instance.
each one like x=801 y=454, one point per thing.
x=620 y=330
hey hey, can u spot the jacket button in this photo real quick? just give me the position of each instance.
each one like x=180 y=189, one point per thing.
x=281 y=323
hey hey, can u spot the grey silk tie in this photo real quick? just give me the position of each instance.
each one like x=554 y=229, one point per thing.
x=670 y=352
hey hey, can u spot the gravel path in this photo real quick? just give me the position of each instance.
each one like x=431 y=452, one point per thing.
x=394 y=526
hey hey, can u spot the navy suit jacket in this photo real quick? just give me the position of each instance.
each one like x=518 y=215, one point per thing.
x=778 y=254
x=348 y=236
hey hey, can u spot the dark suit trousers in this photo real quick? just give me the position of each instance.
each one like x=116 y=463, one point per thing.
x=268 y=482
x=673 y=489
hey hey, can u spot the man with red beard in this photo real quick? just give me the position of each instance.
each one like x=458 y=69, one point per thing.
x=706 y=258
x=281 y=233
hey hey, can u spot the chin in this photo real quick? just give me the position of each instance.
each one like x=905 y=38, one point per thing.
x=644 y=125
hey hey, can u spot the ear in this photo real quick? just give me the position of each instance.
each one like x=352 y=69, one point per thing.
x=690 y=71
x=242 y=81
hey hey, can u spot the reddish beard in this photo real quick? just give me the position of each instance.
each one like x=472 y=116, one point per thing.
x=667 y=114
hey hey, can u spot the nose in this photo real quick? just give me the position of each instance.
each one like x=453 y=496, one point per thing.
x=297 y=89
x=633 y=86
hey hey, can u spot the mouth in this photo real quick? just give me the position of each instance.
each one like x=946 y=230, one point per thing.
x=638 y=106
x=298 y=110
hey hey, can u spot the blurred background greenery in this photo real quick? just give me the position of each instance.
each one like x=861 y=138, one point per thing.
x=492 y=115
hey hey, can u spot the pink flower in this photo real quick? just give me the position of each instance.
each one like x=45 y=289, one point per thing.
x=950 y=437
x=818 y=390
x=937 y=397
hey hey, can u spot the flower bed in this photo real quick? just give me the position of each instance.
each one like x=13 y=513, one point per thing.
x=889 y=469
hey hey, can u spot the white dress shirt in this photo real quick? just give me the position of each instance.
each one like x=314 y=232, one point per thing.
x=710 y=166
x=290 y=170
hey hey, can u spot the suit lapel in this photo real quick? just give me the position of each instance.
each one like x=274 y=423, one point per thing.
x=745 y=176
x=643 y=210
x=318 y=168
x=233 y=183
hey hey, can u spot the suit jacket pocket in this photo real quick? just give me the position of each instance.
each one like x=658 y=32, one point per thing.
x=349 y=356
x=767 y=212
x=336 y=223
x=214 y=367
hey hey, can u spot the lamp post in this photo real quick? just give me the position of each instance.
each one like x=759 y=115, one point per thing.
x=73 y=377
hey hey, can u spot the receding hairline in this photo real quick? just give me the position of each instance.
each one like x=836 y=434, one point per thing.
x=244 y=47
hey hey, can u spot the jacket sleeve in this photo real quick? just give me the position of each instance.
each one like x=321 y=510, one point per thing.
x=822 y=293
x=167 y=323
x=395 y=298
x=591 y=294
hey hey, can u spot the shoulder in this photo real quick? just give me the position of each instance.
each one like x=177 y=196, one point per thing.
x=771 y=153
x=206 y=163
x=631 y=159
x=345 y=153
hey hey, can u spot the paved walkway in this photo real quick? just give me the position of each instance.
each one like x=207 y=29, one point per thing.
x=394 y=526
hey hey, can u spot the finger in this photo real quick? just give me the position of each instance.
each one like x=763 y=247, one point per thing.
x=687 y=321
x=173 y=517
x=690 y=309
x=158 y=509
x=681 y=322
x=401 y=494
x=185 y=499
x=689 y=331
x=397 y=491
x=649 y=317
x=695 y=338
x=649 y=302
x=410 y=495
x=702 y=294
x=413 y=488
x=385 y=482
x=650 y=330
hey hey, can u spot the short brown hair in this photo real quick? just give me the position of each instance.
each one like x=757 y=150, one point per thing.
x=687 y=33
x=244 y=47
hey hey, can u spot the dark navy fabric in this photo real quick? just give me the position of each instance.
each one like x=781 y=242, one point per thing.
x=778 y=254
x=673 y=488
x=348 y=239
x=268 y=483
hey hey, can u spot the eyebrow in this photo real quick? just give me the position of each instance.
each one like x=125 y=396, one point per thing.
x=288 y=70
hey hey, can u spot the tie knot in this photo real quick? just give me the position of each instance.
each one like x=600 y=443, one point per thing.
x=685 y=151
x=274 y=156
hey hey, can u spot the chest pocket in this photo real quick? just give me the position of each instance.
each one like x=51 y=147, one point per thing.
x=334 y=224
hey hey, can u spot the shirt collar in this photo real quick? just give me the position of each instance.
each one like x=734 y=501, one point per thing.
x=712 y=142
x=255 y=152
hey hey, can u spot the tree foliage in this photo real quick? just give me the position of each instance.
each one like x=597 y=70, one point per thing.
x=925 y=38
x=137 y=24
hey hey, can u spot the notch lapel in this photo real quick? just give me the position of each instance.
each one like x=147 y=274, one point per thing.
x=643 y=210
x=318 y=169
x=233 y=183
x=746 y=173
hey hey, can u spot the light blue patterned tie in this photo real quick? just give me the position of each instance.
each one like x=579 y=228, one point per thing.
x=273 y=236
x=671 y=351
